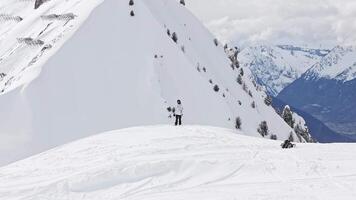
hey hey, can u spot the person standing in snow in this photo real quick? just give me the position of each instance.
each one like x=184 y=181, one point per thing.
x=178 y=113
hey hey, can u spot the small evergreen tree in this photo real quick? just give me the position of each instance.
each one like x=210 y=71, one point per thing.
x=238 y=123
x=131 y=3
x=242 y=73
x=183 y=48
x=274 y=137
x=132 y=13
x=244 y=87
x=175 y=37
x=216 y=88
x=182 y=2
x=263 y=129
x=38 y=3
x=168 y=32
x=239 y=79
x=287 y=115
x=216 y=42
x=268 y=100
x=253 y=104
x=291 y=138
x=250 y=93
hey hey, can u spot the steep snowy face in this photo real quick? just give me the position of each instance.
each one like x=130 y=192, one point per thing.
x=31 y=31
x=339 y=64
x=275 y=67
x=192 y=162
x=125 y=66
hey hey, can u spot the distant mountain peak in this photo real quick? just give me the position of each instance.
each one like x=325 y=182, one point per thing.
x=339 y=64
x=275 y=67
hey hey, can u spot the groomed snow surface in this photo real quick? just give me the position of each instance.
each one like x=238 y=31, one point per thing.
x=189 y=162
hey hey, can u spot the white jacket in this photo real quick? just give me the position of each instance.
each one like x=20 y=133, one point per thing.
x=179 y=109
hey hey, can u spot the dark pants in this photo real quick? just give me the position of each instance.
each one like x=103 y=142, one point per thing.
x=178 y=120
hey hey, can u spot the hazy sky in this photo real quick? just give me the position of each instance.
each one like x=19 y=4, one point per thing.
x=301 y=22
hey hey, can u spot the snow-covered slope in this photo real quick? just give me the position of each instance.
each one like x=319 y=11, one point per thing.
x=278 y=66
x=189 y=163
x=117 y=71
x=340 y=65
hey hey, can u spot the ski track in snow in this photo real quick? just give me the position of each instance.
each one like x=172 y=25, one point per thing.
x=189 y=162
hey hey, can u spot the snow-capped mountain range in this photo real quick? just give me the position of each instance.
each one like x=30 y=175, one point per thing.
x=79 y=67
x=328 y=90
x=275 y=67
x=339 y=64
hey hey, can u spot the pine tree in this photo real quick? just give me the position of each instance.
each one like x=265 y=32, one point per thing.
x=268 y=100
x=131 y=3
x=253 y=104
x=182 y=2
x=242 y=73
x=263 y=129
x=239 y=79
x=287 y=115
x=175 y=37
x=274 y=137
x=216 y=88
x=38 y=3
x=132 y=13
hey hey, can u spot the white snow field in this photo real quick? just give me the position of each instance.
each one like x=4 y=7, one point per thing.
x=182 y=163
x=105 y=70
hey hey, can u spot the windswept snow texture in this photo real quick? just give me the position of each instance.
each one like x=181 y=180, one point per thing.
x=275 y=67
x=119 y=71
x=184 y=163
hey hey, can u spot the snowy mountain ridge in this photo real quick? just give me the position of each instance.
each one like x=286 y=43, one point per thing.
x=275 y=67
x=103 y=74
x=339 y=64
x=190 y=162
x=30 y=36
